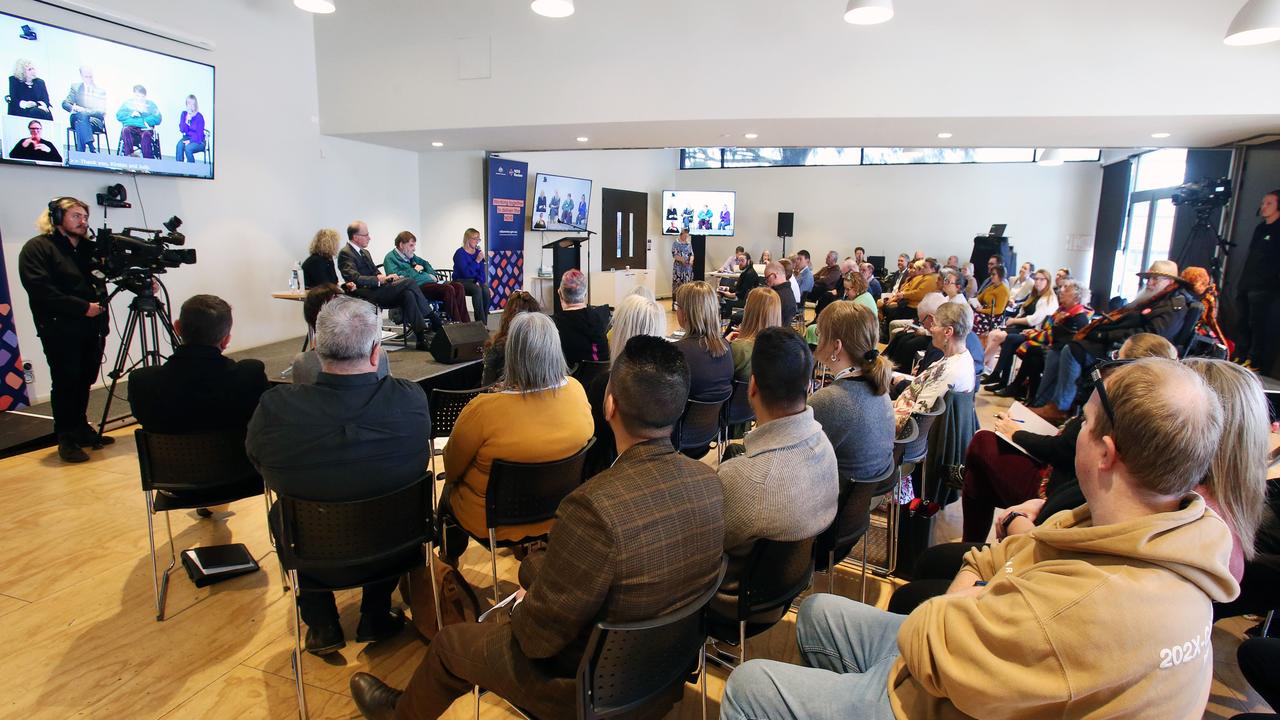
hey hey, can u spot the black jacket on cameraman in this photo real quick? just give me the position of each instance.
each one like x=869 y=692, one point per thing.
x=1164 y=317
x=1262 y=268
x=60 y=283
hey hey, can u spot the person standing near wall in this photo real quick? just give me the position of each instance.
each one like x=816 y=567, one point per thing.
x=1259 y=288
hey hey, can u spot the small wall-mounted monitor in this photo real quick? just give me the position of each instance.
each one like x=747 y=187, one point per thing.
x=560 y=203
x=701 y=212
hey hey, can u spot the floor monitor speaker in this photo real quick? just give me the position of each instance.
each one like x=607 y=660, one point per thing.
x=459 y=342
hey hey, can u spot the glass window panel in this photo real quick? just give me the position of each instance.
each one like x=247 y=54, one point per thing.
x=762 y=156
x=1129 y=258
x=1161 y=169
x=834 y=156
x=1162 y=233
x=998 y=155
x=700 y=158
x=1075 y=154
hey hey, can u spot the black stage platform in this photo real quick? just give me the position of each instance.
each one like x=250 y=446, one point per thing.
x=32 y=428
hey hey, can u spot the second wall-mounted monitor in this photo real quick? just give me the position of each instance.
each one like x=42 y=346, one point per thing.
x=701 y=212
x=559 y=203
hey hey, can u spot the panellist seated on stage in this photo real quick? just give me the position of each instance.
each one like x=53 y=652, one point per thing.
x=385 y=291
x=605 y=560
x=349 y=436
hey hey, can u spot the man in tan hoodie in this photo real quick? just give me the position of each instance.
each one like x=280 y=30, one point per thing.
x=1104 y=610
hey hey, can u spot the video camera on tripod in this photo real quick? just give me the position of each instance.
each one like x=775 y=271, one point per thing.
x=133 y=257
x=1204 y=194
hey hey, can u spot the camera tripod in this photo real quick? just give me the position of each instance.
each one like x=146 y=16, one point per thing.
x=147 y=315
x=1202 y=231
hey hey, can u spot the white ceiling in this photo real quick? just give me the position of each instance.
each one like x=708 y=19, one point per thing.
x=671 y=73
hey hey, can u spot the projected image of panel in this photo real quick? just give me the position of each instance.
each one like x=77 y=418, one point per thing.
x=78 y=101
x=701 y=212
x=560 y=203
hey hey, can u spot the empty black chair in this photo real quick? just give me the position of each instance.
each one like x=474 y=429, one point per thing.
x=446 y=406
x=698 y=428
x=189 y=471
x=1182 y=341
x=737 y=412
x=589 y=370
x=774 y=574
x=849 y=526
x=522 y=494
x=385 y=534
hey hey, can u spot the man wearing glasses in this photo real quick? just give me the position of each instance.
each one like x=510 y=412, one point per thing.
x=386 y=291
x=1104 y=610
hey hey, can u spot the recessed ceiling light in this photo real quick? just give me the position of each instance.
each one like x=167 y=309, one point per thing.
x=437 y=143
x=751 y=136
x=322 y=7
x=552 y=8
x=944 y=136
x=1160 y=136
x=583 y=138
x=1258 y=22
x=1051 y=157
x=868 y=12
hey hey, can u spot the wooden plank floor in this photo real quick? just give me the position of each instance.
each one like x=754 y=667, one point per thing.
x=80 y=640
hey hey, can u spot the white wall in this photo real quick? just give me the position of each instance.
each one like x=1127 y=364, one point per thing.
x=273 y=190
x=886 y=209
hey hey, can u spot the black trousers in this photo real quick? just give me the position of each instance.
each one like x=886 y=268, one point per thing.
x=902 y=349
x=935 y=569
x=74 y=353
x=1008 y=350
x=1256 y=311
x=407 y=296
x=480 y=297
x=1259 y=660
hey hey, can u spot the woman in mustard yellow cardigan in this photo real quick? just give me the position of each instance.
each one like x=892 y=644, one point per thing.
x=538 y=414
x=988 y=307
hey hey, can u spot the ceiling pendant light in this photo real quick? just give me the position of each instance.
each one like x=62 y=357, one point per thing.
x=1258 y=22
x=868 y=12
x=321 y=7
x=552 y=8
x=1051 y=157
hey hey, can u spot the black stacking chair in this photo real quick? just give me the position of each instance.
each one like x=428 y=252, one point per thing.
x=446 y=406
x=181 y=472
x=387 y=532
x=847 y=529
x=775 y=573
x=589 y=370
x=698 y=428
x=521 y=494
x=737 y=411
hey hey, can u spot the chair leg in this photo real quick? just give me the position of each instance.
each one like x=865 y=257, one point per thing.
x=475 y=693
x=864 y=564
x=831 y=571
x=702 y=679
x=742 y=642
x=161 y=581
x=284 y=576
x=1266 y=624
x=300 y=687
x=435 y=591
x=493 y=563
x=151 y=541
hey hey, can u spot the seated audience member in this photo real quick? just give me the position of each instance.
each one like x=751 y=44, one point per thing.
x=856 y=290
x=306 y=366
x=854 y=410
x=989 y=305
x=766 y=257
x=1020 y=632
x=776 y=279
x=955 y=371
x=902 y=304
x=468 y=269
x=998 y=475
x=1038 y=306
x=730 y=264
x=1052 y=340
x=748 y=280
x=785 y=486
x=198 y=389
x=993 y=262
x=403 y=261
x=968 y=284
x=540 y=415
x=764 y=310
x=495 y=349
x=636 y=315
x=320 y=267
x=893 y=281
x=706 y=352
x=383 y=290
x=826 y=282
x=1160 y=308
x=583 y=328
x=804 y=273
x=953 y=261
x=1022 y=286
x=913 y=338
x=350 y=436
x=789 y=271
x=873 y=285
x=1060 y=275
x=603 y=561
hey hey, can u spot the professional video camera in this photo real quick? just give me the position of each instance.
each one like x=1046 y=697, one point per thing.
x=1205 y=193
x=131 y=258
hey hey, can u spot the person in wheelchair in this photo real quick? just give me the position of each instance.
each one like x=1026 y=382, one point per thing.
x=139 y=117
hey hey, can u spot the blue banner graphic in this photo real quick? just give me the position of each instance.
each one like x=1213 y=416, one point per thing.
x=506 y=183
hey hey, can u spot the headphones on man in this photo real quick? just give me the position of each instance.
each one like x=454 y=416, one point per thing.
x=56 y=211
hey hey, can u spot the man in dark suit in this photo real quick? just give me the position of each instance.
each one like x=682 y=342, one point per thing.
x=349 y=436
x=641 y=539
x=775 y=277
x=386 y=291
x=198 y=390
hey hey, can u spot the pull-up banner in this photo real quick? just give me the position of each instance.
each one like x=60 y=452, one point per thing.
x=506 y=187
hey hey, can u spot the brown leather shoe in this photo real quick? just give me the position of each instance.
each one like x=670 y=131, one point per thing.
x=375 y=699
x=1050 y=413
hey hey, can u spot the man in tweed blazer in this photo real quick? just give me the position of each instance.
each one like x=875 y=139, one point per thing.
x=639 y=540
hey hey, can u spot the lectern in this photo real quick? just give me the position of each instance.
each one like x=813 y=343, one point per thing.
x=566 y=254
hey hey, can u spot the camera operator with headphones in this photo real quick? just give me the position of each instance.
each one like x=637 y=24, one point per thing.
x=57 y=268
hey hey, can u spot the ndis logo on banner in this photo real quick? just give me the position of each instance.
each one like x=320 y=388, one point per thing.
x=514 y=172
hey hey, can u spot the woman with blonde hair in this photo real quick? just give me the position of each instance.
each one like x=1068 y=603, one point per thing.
x=1041 y=303
x=318 y=268
x=763 y=310
x=710 y=363
x=28 y=97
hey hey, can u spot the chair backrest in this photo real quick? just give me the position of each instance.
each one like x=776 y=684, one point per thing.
x=333 y=535
x=200 y=461
x=775 y=574
x=444 y=275
x=627 y=666
x=738 y=409
x=589 y=370
x=699 y=425
x=851 y=523
x=1181 y=341
x=446 y=405
x=523 y=493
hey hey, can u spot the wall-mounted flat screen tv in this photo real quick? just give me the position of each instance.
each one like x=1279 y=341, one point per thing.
x=701 y=212
x=559 y=203
x=78 y=101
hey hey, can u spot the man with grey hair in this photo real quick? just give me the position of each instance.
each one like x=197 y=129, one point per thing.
x=350 y=436
x=388 y=291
